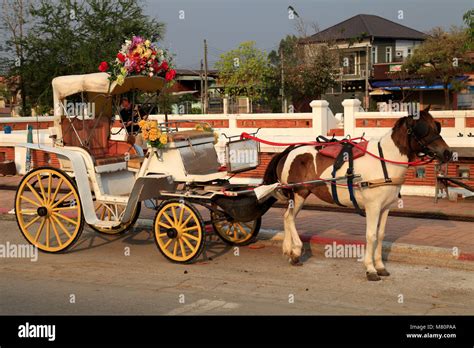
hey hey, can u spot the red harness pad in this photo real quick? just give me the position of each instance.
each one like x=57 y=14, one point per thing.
x=334 y=150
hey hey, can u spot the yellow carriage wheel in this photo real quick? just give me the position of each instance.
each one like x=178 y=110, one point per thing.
x=235 y=232
x=179 y=231
x=48 y=209
x=114 y=212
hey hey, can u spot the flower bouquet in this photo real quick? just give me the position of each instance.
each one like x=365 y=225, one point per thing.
x=152 y=134
x=139 y=57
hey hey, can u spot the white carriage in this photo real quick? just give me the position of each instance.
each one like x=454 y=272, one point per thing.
x=102 y=182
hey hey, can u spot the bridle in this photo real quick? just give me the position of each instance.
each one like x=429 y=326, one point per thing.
x=420 y=131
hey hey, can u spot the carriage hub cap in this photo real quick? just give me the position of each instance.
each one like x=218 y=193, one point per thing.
x=42 y=211
x=172 y=233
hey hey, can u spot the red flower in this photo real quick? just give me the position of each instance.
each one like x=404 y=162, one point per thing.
x=103 y=67
x=164 y=65
x=121 y=57
x=170 y=75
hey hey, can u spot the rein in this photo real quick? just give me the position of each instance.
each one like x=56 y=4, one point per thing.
x=245 y=135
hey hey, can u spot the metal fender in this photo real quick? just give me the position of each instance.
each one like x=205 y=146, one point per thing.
x=147 y=187
x=80 y=175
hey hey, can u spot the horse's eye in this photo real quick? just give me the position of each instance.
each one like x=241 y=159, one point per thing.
x=438 y=127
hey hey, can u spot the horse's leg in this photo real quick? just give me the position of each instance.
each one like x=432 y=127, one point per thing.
x=379 y=266
x=372 y=213
x=297 y=245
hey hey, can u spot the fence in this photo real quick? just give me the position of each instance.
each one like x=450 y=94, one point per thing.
x=285 y=127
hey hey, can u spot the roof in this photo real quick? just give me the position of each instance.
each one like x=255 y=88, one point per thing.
x=371 y=25
x=189 y=72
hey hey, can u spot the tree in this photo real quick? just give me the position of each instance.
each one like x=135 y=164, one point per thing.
x=15 y=13
x=244 y=71
x=442 y=57
x=468 y=19
x=73 y=38
x=309 y=69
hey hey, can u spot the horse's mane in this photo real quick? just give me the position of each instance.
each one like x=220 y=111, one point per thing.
x=271 y=176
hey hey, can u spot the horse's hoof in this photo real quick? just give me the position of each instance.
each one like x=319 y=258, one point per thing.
x=373 y=277
x=296 y=261
x=383 y=272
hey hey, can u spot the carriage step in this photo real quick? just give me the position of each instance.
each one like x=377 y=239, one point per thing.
x=107 y=224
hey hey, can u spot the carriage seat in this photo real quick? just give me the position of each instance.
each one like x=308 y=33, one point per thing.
x=189 y=134
x=333 y=150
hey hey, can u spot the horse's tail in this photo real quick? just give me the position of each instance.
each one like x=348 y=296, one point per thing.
x=271 y=176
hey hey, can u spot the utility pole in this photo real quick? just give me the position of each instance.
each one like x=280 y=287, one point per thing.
x=283 y=97
x=206 y=96
x=202 y=86
x=367 y=77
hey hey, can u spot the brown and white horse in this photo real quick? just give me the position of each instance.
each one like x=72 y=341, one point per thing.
x=409 y=137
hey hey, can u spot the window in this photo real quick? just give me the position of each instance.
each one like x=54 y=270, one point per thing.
x=374 y=54
x=409 y=52
x=388 y=54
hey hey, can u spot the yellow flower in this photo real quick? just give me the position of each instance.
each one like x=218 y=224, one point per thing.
x=142 y=124
x=164 y=139
x=120 y=80
x=145 y=134
x=147 y=43
x=147 y=53
x=199 y=127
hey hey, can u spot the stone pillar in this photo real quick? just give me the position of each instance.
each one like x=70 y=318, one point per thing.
x=225 y=105
x=351 y=106
x=320 y=117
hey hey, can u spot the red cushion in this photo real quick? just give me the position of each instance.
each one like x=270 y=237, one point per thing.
x=334 y=150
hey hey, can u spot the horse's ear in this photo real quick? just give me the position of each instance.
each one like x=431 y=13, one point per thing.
x=427 y=109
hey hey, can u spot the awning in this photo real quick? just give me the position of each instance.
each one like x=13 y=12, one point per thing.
x=417 y=84
x=379 y=91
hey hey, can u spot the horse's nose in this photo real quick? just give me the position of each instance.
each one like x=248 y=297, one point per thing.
x=447 y=155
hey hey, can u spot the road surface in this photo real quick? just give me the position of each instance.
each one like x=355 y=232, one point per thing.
x=128 y=275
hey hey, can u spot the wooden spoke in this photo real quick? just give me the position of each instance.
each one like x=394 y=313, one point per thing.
x=162 y=224
x=47 y=231
x=40 y=184
x=168 y=243
x=30 y=201
x=27 y=211
x=188 y=243
x=32 y=189
x=66 y=232
x=244 y=232
x=56 y=233
x=65 y=218
x=181 y=214
x=175 y=219
x=50 y=184
x=62 y=199
x=187 y=235
x=175 y=248
x=186 y=221
x=56 y=190
x=40 y=229
x=181 y=245
x=190 y=228
x=32 y=222
x=168 y=218
x=64 y=208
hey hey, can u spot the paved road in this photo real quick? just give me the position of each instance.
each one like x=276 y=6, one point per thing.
x=104 y=280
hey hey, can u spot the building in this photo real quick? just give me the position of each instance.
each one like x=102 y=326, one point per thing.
x=364 y=41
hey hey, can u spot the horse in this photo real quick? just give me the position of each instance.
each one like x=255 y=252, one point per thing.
x=410 y=138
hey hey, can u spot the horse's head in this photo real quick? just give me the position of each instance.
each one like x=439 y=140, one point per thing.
x=419 y=136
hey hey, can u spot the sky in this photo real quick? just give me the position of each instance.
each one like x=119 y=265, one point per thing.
x=226 y=23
